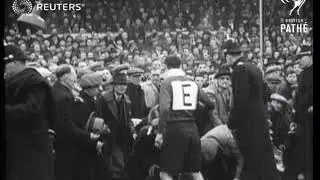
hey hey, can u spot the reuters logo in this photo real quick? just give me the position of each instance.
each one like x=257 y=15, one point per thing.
x=22 y=6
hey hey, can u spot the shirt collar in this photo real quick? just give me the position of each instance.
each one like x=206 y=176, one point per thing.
x=174 y=72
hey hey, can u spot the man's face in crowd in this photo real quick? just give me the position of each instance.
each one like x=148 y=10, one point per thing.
x=124 y=35
x=199 y=80
x=119 y=43
x=120 y=89
x=211 y=79
x=276 y=54
x=135 y=79
x=23 y=47
x=224 y=81
x=83 y=55
x=292 y=78
x=285 y=51
x=156 y=65
x=71 y=78
x=37 y=48
x=186 y=51
x=305 y=62
x=164 y=53
x=155 y=77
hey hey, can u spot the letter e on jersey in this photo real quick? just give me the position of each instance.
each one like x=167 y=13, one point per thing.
x=185 y=95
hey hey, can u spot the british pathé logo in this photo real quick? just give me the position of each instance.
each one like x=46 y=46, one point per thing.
x=22 y=6
x=297 y=4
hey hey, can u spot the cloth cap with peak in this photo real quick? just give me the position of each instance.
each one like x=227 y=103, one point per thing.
x=135 y=72
x=223 y=71
x=92 y=79
x=119 y=68
x=14 y=53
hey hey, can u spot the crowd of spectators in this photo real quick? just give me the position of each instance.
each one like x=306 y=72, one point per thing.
x=140 y=32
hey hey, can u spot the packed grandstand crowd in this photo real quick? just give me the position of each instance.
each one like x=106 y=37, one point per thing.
x=142 y=33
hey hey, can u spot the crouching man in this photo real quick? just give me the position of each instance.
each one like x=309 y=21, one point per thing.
x=221 y=154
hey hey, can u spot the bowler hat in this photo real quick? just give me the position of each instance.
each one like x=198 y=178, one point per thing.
x=305 y=51
x=232 y=47
x=223 y=71
x=119 y=79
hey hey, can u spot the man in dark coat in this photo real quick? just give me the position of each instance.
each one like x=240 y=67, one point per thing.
x=93 y=165
x=247 y=118
x=136 y=94
x=29 y=113
x=304 y=108
x=114 y=107
x=70 y=132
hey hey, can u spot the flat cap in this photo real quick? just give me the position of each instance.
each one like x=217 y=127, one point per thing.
x=90 y=80
x=135 y=72
x=14 y=53
x=96 y=66
x=119 y=68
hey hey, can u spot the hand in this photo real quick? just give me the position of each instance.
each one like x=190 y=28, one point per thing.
x=135 y=136
x=293 y=127
x=310 y=109
x=282 y=147
x=152 y=169
x=300 y=177
x=236 y=178
x=159 y=140
x=94 y=136
x=99 y=147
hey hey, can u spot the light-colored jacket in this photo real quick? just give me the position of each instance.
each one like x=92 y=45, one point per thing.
x=222 y=105
x=151 y=94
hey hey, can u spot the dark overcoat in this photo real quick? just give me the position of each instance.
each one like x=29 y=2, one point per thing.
x=70 y=136
x=118 y=118
x=249 y=124
x=29 y=113
x=304 y=100
x=93 y=165
x=137 y=98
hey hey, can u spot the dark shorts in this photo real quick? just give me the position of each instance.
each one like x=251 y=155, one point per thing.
x=181 y=149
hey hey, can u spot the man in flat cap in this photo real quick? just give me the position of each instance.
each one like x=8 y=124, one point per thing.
x=89 y=161
x=123 y=68
x=70 y=133
x=304 y=108
x=223 y=95
x=29 y=114
x=114 y=106
x=247 y=118
x=136 y=94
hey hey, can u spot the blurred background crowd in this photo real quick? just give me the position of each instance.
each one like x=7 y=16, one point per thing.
x=142 y=33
